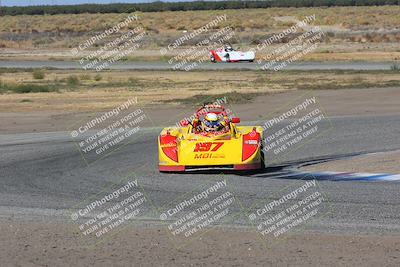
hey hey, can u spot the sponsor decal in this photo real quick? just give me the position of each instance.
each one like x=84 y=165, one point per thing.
x=207 y=146
x=208 y=156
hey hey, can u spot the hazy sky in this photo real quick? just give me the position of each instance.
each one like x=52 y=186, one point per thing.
x=70 y=2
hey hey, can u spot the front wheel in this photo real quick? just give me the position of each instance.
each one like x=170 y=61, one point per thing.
x=212 y=59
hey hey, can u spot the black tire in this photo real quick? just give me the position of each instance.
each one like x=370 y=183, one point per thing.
x=212 y=59
x=262 y=155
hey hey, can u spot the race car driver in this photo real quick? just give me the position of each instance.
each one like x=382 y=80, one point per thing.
x=212 y=123
x=228 y=48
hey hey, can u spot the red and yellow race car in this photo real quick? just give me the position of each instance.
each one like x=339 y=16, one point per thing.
x=210 y=140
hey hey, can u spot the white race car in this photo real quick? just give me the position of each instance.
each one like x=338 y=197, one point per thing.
x=228 y=54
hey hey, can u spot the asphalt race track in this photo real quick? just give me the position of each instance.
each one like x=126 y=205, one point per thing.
x=43 y=174
x=203 y=66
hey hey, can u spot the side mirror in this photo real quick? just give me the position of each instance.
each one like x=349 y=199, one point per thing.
x=184 y=123
x=235 y=120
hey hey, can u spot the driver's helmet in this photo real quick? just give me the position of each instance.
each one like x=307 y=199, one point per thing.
x=228 y=48
x=211 y=122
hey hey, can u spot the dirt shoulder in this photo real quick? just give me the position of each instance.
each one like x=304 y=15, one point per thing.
x=24 y=117
x=385 y=162
x=57 y=244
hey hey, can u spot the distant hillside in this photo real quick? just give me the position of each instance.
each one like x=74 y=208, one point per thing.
x=185 y=6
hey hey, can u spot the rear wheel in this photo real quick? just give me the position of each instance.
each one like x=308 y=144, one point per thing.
x=262 y=155
x=212 y=59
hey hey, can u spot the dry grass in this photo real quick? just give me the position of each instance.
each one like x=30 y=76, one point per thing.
x=65 y=31
x=154 y=87
x=350 y=17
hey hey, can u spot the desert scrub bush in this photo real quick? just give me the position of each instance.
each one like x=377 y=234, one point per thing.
x=1 y=87
x=133 y=81
x=233 y=97
x=25 y=88
x=72 y=80
x=85 y=77
x=98 y=77
x=38 y=74
x=31 y=88
x=134 y=84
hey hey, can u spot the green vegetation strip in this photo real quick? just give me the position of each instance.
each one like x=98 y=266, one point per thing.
x=25 y=88
x=184 y=6
x=232 y=98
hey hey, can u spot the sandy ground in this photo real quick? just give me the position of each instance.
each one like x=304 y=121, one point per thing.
x=387 y=162
x=56 y=244
x=25 y=243
x=344 y=102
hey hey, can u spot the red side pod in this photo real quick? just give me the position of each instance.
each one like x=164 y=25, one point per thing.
x=169 y=147
x=215 y=55
x=251 y=141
